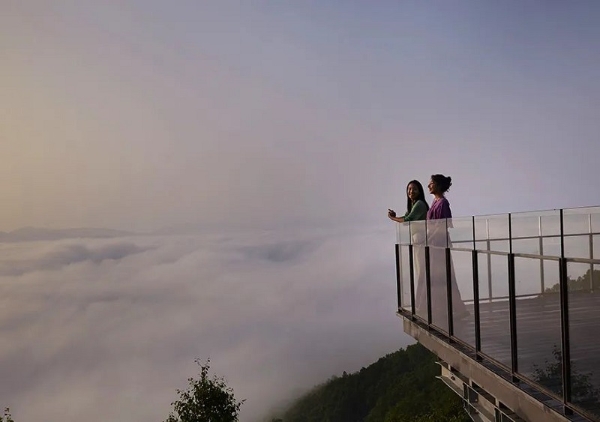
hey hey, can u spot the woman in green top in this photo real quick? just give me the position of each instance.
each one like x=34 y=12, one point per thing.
x=416 y=209
x=416 y=205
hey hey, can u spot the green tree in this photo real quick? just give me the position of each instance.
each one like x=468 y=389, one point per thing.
x=207 y=399
x=7 y=417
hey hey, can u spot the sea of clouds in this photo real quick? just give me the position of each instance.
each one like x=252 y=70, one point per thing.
x=100 y=329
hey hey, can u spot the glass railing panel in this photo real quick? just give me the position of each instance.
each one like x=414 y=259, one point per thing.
x=462 y=297
x=403 y=233
x=420 y=284
x=550 y=277
x=460 y=232
x=538 y=323
x=500 y=246
x=437 y=271
x=528 y=228
x=595 y=217
x=491 y=227
x=528 y=246
x=551 y=246
x=584 y=319
x=596 y=267
x=418 y=237
x=405 y=297
x=579 y=277
x=437 y=233
x=528 y=276
x=495 y=328
x=578 y=220
x=485 y=276
x=418 y=233
x=526 y=224
x=550 y=223
x=578 y=246
x=482 y=245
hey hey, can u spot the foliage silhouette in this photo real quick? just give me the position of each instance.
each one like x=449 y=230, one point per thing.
x=400 y=387
x=206 y=400
x=7 y=417
x=583 y=391
x=586 y=282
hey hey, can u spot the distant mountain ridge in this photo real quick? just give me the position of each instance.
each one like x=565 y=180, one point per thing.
x=27 y=234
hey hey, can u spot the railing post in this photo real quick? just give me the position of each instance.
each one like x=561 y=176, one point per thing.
x=564 y=314
x=489 y=259
x=428 y=276
x=476 y=295
x=413 y=309
x=449 y=291
x=591 y=247
x=398 y=276
x=428 y=283
x=541 y=249
x=411 y=266
x=449 y=283
x=512 y=302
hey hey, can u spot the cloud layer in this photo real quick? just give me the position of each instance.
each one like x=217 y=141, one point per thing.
x=107 y=329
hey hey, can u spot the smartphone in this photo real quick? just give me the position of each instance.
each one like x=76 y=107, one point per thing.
x=392 y=212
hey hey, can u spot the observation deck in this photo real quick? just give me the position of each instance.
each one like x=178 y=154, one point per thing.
x=511 y=306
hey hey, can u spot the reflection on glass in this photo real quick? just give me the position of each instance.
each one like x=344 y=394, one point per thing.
x=495 y=327
x=579 y=277
x=528 y=273
x=527 y=246
x=584 y=314
x=577 y=246
x=538 y=325
x=464 y=325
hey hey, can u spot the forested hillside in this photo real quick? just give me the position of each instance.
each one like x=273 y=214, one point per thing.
x=397 y=388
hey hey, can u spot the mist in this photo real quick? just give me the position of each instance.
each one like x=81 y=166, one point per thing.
x=108 y=329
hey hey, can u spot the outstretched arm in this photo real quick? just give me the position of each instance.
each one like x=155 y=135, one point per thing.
x=394 y=218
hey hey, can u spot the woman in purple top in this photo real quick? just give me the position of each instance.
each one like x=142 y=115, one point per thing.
x=438 y=240
x=438 y=186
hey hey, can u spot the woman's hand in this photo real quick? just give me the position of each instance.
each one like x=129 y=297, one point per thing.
x=392 y=216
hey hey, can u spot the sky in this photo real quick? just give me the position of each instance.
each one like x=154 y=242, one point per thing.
x=142 y=115
x=251 y=151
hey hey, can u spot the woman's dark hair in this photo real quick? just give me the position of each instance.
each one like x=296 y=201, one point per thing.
x=442 y=182
x=409 y=202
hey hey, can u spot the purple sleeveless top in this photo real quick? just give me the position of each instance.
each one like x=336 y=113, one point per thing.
x=440 y=208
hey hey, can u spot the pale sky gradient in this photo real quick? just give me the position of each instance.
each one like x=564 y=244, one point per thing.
x=301 y=121
x=224 y=114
